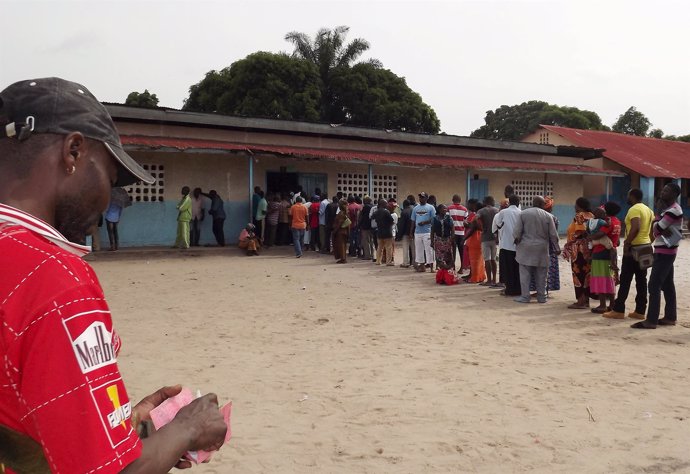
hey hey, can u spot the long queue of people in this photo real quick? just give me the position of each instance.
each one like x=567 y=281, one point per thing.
x=507 y=248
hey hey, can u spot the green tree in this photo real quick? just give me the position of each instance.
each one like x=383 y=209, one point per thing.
x=368 y=95
x=656 y=133
x=261 y=85
x=681 y=138
x=329 y=52
x=632 y=122
x=317 y=83
x=512 y=122
x=143 y=99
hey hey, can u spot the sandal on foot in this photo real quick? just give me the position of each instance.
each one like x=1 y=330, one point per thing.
x=600 y=310
x=577 y=306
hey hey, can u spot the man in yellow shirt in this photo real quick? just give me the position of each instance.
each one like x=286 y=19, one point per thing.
x=638 y=224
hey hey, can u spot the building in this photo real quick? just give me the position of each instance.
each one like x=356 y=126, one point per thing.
x=234 y=154
x=648 y=163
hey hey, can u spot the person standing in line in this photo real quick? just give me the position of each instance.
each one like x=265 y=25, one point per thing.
x=667 y=234
x=384 y=225
x=638 y=225
x=553 y=279
x=405 y=235
x=197 y=217
x=577 y=252
x=217 y=213
x=489 y=247
x=260 y=216
x=422 y=216
x=184 y=216
x=299 y=215
x=112 y=216
x=272 y=216
x=442 y=239
x=533 y=232
x=458 y=213
x=324 y=236
x=353 y=210
x=331 y=212
x=314 y=230
x=341 y=232
x=284 y=233
x=504 y=223
x=256 y=197
x=365 y=230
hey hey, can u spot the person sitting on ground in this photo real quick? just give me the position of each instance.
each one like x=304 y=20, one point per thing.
x=249 y=241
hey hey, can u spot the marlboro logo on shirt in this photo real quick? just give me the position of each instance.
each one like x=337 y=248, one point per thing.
x=93 y=346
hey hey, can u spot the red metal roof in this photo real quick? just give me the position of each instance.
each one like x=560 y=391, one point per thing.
x=651 y=157
x=189 y=144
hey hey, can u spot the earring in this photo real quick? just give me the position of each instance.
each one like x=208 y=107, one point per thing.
x=72 y=170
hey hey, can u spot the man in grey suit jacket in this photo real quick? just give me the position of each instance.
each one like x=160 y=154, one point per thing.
x=532 y=233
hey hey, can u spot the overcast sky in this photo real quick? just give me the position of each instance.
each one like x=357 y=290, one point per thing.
x=463 y=57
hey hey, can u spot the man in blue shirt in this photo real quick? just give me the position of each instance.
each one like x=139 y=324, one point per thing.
x=422 y=216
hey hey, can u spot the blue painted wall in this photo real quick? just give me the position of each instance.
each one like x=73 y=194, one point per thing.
x=565 y=214
x=155 y=224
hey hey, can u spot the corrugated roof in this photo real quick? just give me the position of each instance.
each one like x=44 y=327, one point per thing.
x=651 y=157
x=133 y=142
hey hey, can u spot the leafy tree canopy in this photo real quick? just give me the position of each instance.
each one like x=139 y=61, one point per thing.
x=512 y=122
x=368 y=95
x=632 y=122
x=261 y=85
x=143 y=99
x=318 y=82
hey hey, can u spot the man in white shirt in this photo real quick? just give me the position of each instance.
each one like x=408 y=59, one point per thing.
x=504 y=223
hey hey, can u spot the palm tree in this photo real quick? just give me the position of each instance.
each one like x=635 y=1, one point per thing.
x=328 y=51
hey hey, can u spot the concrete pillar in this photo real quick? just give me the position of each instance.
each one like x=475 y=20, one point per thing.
x=608 y=188
x=647 y=187
x=467 y=184
x=251 y=187
x=679 y=182
x=370 y=181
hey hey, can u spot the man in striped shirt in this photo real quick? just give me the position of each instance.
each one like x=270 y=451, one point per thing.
x=458 y=213
x=666 y=232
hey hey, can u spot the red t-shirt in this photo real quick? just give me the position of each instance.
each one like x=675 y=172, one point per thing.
x=314 y=215
x=59 y=380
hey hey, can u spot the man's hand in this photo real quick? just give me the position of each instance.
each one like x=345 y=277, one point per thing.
x=204 y=423
x=142 y=411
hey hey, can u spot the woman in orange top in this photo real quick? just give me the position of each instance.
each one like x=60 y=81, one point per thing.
x=577 y=252
x=473 y=243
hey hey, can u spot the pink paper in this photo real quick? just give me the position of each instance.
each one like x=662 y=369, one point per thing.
x=166 y=411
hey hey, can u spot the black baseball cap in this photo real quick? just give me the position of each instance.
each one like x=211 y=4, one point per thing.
x=54 y=105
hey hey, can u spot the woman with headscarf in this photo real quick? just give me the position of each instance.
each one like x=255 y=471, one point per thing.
x=577 y=252
x=473 y=243
x=249 y=241
x=442 y=232
x=553 y=279
x=341 y=232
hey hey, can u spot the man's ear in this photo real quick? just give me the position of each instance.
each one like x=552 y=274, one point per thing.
x=73 y=148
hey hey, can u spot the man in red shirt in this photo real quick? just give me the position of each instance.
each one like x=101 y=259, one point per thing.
x=63 y=404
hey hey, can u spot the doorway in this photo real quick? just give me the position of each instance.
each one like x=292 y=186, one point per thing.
x=278 y=182
x=479 y=189
x=282 y=183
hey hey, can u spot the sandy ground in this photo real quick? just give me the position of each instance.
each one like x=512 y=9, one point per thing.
x=356 y=368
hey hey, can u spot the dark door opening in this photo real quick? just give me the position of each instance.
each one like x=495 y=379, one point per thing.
x=282 y=183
